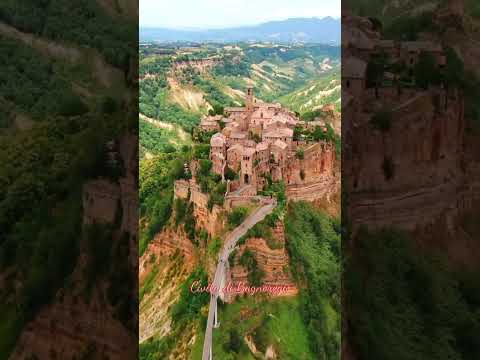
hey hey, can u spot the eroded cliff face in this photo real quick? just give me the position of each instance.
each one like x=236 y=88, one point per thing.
x=272 y=258
x=212 y=221
x=201 y=65
x=410 y=174
x=84 y=319
x=167 y=244
x=165 y=274
x=78 y=329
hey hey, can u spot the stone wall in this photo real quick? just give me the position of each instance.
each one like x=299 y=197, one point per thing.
x=212 y=221
x=100 y=202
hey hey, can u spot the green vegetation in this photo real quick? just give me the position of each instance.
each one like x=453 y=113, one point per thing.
x=157 y=176
x=184 y=215
x=431 y=312
x=289 y=71
x=214 y=247
x=382 y=120
x=154 y=103
x=307 y=99
x=156 y=140
x=274 y=322
x=35 y=85
x=45 y=166
x=407 y=28
x=426 y=72
x=237 y=216
x=300 y=154
x=255 y=274
x=319 y=133
x=114 y=38
x=184 y=312
x=314 y=245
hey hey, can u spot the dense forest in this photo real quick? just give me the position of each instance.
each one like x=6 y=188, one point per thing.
x=431 y=311
x=75 y=23
x=35 y=84
x=52 y=141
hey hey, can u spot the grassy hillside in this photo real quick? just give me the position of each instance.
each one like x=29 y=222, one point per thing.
x=317 y=93
x=183 y=96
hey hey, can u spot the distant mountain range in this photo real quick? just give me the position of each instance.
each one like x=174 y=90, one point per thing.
x=312 y=30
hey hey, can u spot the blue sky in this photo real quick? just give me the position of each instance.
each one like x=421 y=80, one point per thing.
x=226 y=13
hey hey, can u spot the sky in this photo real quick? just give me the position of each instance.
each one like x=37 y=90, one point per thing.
x=207 y=14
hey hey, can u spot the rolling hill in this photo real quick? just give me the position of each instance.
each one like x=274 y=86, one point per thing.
x=312 y=30
x=180 y=85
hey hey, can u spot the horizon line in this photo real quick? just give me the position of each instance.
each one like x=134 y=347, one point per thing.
x=207 y=27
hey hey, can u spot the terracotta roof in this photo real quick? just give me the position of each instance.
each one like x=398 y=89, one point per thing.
x=217 y=140
x=208 y=122
x=280 y=144
x=248 y=151
x=262 y=146
x=236 y=147
x=238 y=135
x=285 y=132
x=234 y=109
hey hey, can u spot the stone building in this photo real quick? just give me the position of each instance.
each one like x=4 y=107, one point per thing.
x=257 y=142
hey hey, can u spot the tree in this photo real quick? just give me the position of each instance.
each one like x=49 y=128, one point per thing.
x=454 y=73
x=382 y=120
x=425 y=71
x=374 y=73
x=236 y=217
x=300 y=154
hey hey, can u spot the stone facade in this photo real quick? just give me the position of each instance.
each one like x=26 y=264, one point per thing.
x=258 y=140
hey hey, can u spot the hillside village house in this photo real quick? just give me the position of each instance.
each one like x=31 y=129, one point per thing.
x=258 y=141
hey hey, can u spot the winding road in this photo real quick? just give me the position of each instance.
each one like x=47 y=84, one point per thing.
x=219 y=280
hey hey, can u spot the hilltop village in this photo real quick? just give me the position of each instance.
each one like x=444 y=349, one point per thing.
x=258 y=140
x=260 y=144
x=408 y=88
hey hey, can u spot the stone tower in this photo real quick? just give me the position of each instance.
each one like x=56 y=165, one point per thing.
x=249 y=100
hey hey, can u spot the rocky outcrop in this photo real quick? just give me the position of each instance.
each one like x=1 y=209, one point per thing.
x=410 y=174
x=212 y=220
x=275 y=262
x=77 y=329
x=166 y=244
x=201 y=65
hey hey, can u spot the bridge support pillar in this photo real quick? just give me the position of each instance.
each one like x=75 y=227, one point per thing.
x=215 y=316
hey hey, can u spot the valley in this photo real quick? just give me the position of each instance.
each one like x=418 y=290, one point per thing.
x=229 y=131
